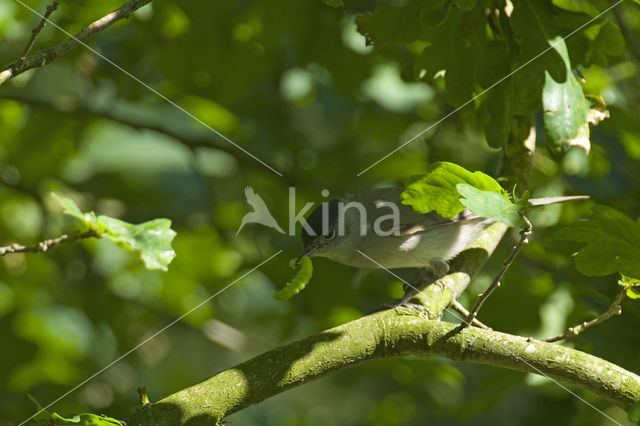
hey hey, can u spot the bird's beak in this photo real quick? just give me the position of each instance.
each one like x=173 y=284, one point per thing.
x=308 y=251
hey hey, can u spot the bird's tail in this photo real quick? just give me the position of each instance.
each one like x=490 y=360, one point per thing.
x=553 y=200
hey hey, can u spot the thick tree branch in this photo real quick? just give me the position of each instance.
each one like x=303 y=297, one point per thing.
x=45 y=245
x=46 y=56
x=393 y=333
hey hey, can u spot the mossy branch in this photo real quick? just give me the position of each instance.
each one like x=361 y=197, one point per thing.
x=387 y=334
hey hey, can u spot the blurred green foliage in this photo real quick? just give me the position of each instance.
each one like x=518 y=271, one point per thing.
x=297 y=85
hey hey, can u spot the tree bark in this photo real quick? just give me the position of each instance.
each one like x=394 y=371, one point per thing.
x=388 y=334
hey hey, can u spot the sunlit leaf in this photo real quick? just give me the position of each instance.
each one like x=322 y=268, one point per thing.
x=491 y=204
x=632 y=285
x=85 y=419
x=437 y=189
x=152 y=239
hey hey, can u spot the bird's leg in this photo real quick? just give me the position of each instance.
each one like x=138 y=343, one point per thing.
x=424 y=277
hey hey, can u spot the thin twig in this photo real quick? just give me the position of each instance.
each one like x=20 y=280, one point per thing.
x=34 y=32
x=614 y=309
x=45 y=245
x=45 y=56
x=524 y=239
x=463 y=311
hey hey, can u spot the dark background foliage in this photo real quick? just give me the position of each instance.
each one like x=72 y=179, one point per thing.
x=295 y=84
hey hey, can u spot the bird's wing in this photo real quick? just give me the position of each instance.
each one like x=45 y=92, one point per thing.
x=410 y=222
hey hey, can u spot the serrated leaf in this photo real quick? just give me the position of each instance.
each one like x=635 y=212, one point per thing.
x=152 y=239
x=436 y=190
x=492 y=205
x=613 y=243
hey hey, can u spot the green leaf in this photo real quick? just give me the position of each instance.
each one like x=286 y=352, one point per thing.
x=152 y=239
x=492 y=205
x=88 y=219
x=455 y=46
x=613 y=243
x=531 y=40
x=567 y=111
x=608 y=43
x=632 y=285
x=497 y=103
x=85 y=419
x=391 y=24
x=465 y=4
x=436 y=190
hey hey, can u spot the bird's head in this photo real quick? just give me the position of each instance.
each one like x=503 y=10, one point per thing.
x=324 y=223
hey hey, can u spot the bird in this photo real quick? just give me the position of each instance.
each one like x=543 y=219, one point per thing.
x=260 y=213
x=373 y=229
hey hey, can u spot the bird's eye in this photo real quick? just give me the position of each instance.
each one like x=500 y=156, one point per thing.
x=331 y=235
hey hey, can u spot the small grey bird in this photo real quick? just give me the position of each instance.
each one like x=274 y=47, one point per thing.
x=345 y=230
